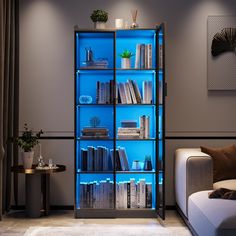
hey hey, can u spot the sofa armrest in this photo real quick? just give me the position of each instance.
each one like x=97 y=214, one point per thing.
x=193 y=173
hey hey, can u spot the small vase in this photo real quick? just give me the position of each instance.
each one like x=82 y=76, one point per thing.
x=27 y=158
x=100 y=25
x=147 y=165
x=125 y=63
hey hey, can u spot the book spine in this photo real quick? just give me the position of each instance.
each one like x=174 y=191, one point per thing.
x=125 y=195
x=98 y=92
x=142 y=126
x=122 y=93
x=149 y=57
x=133 y=201
x=128 y=195
x=160 y=56
x=117 y=195
x=149 y=92
x=142 y=56
x=137 y=57
x=142 y=203
x=146 y=56
x=127 y=92
x=147 y=127
x=137 y=91
x=148 y=195
x=131 y=88
x=138 y=195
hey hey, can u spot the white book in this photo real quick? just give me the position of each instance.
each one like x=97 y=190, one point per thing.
x=127 y=93
x=137 y=57
x=103 y=193
x=149 y=56
x=121 y=198
x=142 y=193
x=138 y=194
x=144 y=92
x=133 y=201
x=131 y=89
x=147 y=127
x=117 y=195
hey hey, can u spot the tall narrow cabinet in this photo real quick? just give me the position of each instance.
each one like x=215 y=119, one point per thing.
x=119 y=123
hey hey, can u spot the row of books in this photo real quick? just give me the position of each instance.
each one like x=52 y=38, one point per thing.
x=134 y=195
x=96 y=159
x=129 y=194
x=129 y=93
x=104 y=92
x=101 y=159
x=143 y=56
x=97 y=194
x=142 y=132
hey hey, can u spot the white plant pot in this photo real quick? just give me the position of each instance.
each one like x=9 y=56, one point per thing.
x=100 y=25
x=125 y=63
x=27 y=159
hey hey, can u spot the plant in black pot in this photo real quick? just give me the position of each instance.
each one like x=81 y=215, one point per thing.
x=99 y=17
x=27 y=142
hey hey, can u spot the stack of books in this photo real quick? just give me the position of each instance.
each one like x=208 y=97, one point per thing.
x=129 y=92
x=143 y=56
x=97 y=132
x=134 y=195
x=128 y=130
x=97 y=194
x=98 y=64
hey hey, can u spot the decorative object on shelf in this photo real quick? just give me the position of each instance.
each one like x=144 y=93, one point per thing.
x=134 y=14
x=85 y=99
x=136 y=165
x=125 y=59
x=88 y=54
x=99 y=17
x=26 y=142
x=224 y=41
x=147 y=163
x=95 y=121
x=41 y=163
x=119 y=23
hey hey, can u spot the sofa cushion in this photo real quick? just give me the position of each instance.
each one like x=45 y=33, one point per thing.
x=229 y=184
x=224 y=162
x=212 y=216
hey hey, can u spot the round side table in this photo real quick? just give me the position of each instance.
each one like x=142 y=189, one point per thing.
x=37 y=188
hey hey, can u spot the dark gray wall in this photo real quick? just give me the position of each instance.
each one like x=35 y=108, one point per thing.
x=46 y=74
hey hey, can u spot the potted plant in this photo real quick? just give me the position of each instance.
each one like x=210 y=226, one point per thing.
x=26 y=142
x=125 y=59
x=99 y=17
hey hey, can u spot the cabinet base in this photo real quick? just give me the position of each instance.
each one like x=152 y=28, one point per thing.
x=111 y=213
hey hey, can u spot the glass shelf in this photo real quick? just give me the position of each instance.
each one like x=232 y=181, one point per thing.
x=135 y=104
x=136 y=172
x=95 y=104
x=95 y=172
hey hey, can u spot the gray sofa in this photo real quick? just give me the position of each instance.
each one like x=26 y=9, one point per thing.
x=193 y=182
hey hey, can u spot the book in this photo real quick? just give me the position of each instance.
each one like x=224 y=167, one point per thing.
x=142 y=193
x=137 y=56
x=136 y=91
x=128 y=123
x=148 y=195
x=127 y=92
x=133 y=201
x=121 y=89
x=142 y=56
x=131 y=89
x=149 y=56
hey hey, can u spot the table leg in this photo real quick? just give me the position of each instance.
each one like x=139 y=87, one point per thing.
x=45 y=187
x=33 y=195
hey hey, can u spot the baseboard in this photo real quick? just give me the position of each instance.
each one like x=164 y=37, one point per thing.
x=52 y=207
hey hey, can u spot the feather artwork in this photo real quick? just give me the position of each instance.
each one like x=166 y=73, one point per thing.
x=224 y=41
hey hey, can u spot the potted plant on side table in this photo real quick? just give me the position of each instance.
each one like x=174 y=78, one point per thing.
x=27 y=142
x=99 y=17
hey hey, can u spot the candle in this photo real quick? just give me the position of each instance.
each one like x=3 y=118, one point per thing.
x=119 y=23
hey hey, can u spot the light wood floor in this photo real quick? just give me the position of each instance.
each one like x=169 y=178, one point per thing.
x=15 y=223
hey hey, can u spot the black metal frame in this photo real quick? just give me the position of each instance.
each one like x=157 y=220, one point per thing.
x=120 y=213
